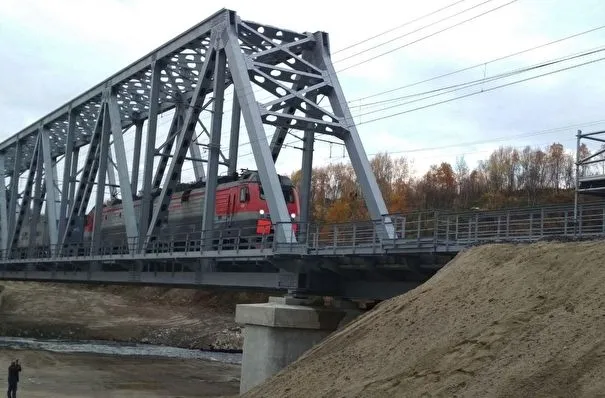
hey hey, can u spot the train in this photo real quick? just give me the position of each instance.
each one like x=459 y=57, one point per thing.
x=241 y=210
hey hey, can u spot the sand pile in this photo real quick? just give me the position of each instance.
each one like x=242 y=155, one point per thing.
x=498 y=321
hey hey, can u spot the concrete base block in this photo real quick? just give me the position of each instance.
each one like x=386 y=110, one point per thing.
x=279 y=332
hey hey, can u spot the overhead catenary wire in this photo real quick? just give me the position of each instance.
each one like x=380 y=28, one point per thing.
x=479 y=64
x=427 y=36
x=398 y=27
x=480 y=92
x=477 y=82
x=412 y=32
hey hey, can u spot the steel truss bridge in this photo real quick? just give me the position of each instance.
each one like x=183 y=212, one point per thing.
x=62 y=165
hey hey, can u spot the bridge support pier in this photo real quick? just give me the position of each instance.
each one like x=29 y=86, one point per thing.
x=280 y=331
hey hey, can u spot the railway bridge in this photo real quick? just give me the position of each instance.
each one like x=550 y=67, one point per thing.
x=77 y=204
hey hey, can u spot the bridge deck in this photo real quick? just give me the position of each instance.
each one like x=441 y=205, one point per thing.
x=345 y=247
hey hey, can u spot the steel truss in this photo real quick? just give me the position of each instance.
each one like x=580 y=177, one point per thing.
x=589 y=182
x=188 y=75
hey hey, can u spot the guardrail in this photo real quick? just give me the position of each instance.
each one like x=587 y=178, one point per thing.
x=420 y=231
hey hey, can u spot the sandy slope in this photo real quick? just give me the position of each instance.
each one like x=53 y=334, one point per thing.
x=498 y=321
x=179 y=317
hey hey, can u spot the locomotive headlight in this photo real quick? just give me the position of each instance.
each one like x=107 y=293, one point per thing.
x=261 y=212
x=293 y=215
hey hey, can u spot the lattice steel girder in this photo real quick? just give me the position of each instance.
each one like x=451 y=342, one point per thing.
x=183 y=140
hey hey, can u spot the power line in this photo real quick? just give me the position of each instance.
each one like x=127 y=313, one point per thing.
x=397 y=27
x=462 y=86
x=479 y=64
x=427 y=36
x=480 y=92
x=413 y=31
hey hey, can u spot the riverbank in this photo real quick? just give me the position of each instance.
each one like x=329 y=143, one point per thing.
x=184 y=318
x=84 y=375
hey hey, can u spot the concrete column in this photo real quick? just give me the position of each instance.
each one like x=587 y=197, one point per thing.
x=279 y=332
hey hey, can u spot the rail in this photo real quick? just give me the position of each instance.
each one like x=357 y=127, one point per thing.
x=415 y=232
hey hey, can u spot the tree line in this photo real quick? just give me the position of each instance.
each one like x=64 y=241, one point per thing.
x=509 y=177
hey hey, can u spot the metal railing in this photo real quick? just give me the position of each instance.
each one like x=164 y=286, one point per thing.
x=419 y=231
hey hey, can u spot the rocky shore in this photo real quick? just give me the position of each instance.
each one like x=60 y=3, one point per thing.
x=184 y=318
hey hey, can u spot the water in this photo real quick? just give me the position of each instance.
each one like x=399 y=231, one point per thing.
x=118 y=349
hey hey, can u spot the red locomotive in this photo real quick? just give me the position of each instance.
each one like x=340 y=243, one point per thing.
x=241 y=211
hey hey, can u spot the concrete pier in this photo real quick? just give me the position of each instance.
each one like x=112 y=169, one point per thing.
x=279 y=332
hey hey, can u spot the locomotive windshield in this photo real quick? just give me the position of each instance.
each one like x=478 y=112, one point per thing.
x=287 y=191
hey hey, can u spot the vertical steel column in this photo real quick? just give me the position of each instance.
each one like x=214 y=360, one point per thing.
x=258 y=139
x=152 y=123
x=111 y=175
x=359 y=160
x=234 y=138
x=66 y=185
x=39 y=193
x=306 y=182
x=198 y=166
x=72 y=181
x=575 y=204
x=214 y=147
x=136 y=157
x=103 y=160
x=3 y=212
x=52 y=195
x=14 y=192
x=122 y=165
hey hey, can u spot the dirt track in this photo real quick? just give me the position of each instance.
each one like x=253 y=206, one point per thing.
x=49 y=375
x=498 y=321
x=176 y=317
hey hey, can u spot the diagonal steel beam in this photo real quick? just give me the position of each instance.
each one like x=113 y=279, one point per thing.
x=52 y=193
x=359 y=160
x=27 y=195
x=175 y=126
x=214 y=147
x=78 y=206
x=258 y=140
x=198 y=166
x=103 y=160
x=132 y=229
x=183 y=143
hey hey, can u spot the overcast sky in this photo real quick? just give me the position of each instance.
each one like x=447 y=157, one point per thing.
x=51 y=51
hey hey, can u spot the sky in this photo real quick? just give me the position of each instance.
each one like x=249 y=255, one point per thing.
x=50 y=52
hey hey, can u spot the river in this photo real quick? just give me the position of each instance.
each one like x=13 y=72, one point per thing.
x=99 y=368
x=111 y=348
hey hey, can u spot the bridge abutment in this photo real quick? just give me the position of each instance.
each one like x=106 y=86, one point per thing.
x=280 y=331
